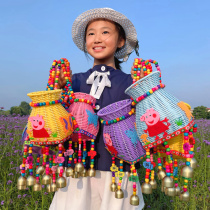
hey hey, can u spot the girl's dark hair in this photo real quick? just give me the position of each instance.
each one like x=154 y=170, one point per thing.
x=121 y=36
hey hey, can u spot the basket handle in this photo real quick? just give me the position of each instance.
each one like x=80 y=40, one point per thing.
x=140 y=63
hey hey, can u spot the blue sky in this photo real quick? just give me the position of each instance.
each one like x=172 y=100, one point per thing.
x=176 y=33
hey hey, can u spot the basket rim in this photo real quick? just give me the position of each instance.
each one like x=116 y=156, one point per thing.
x=128 y=101
x=44 y=92
x=142 y=79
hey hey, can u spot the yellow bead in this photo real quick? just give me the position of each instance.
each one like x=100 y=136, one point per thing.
x=150 y=91
x=82 y=100
x=134 y=193
x=147 y=180
x=147 y=153
x=188 y=159
x=186 y=181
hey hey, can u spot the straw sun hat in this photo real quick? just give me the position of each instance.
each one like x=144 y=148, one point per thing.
x=79 y=25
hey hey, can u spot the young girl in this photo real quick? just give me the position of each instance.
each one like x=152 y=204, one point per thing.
x=107 y=36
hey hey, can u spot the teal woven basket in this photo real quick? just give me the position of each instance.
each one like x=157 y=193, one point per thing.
x=159 y=115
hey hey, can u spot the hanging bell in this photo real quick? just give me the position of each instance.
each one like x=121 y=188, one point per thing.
x=193 y=163
x=76 y=175
x=40 y=170
x=134 y=200
x=168 y=182
x=153 y=184
x=178 y=190
x=58 y=170
x=171 y=191
x=21 y=183
x=46 y=179
x=119 y=194
x=185 y=196
x=37 y=187
x=79 y=167
x=146 y=188
x=53 y=187
x=113 y=187
x=161 y=174
x=91 y=172
x=31 y=180
x=187 y=172
x=69 y=172
x=130 y=174
x=61 y=182
x=84 y=172
x=48 y=188
x=165 y=190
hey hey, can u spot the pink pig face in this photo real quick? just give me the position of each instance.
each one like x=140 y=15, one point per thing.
x=108 y=139
x=37 y=122
x=151 y=117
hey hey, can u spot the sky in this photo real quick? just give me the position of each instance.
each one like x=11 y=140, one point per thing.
x=176 y=33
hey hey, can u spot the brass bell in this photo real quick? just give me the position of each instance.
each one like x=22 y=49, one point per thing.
x=76 y=175
x=40 y=170
x=178 y=190
x=171 y=191
x=79 y=167
x=69 y=171
x=168 y=182
x=21 y=187
x=61 y=182
x=53 y=187
x=46 y=179
x=185 y=196
x=134 y=200
x=84 y=173
x=187 y=172
x=161 y=174
x=146 y=188
x=31 y=180
x=37 y=187
x=119 y=194
x=58 y=170
x=48 y=188
x=153 y=184
x=113 y=187
x=91 y=172
x=21 y=181
x=193 y=163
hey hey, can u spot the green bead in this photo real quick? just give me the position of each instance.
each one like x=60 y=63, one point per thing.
x=156 y=62
x=148 y=156
x=115 y=120
x=77 y=129
x=120 y=118
x=165 y=143
x=120 y=178
x=50 y=103
x=185 y=183
x=168 y=149
x=59 y=64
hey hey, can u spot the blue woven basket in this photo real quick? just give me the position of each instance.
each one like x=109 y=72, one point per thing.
x=174 y=115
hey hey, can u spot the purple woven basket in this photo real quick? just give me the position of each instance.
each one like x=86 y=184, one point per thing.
x=121 y=138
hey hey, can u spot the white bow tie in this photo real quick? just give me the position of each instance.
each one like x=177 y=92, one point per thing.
x=97 y=85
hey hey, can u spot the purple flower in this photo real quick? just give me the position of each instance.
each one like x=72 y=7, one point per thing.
x=198 y=149
x=2 y=203
x=149 y=206
x=43 y=186
x=9 y=182
x=171 y=201
x=195 y=181
x=209 y=188
x=11 y=162
x=19 y=196
x=45 y=193
x=10 y=174
x=194 y=186
x=208 y=156
x=24 y=195
x=36 y=202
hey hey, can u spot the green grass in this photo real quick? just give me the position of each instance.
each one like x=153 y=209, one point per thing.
x=11 y=157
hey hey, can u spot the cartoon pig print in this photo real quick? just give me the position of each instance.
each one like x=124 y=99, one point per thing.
x=108 y=143
x=154 y=125
x=38 y=123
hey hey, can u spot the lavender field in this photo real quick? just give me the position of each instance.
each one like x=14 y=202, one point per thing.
x=11 y=128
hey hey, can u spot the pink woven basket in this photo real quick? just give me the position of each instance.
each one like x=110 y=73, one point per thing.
x=85 y=116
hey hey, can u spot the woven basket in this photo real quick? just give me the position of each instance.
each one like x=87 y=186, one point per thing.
x=125 y=142
x=86 y=119
x=174 y=116
x=49 y=124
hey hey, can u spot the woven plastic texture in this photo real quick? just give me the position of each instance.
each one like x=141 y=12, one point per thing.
x=121 y=136
x=48 y=124
x=159 y=114
x=85 y=116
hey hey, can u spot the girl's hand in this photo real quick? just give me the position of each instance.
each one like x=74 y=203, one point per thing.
x=132 y=72
x=61 y=79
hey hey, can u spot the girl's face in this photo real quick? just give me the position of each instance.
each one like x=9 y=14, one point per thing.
x=102 y=41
